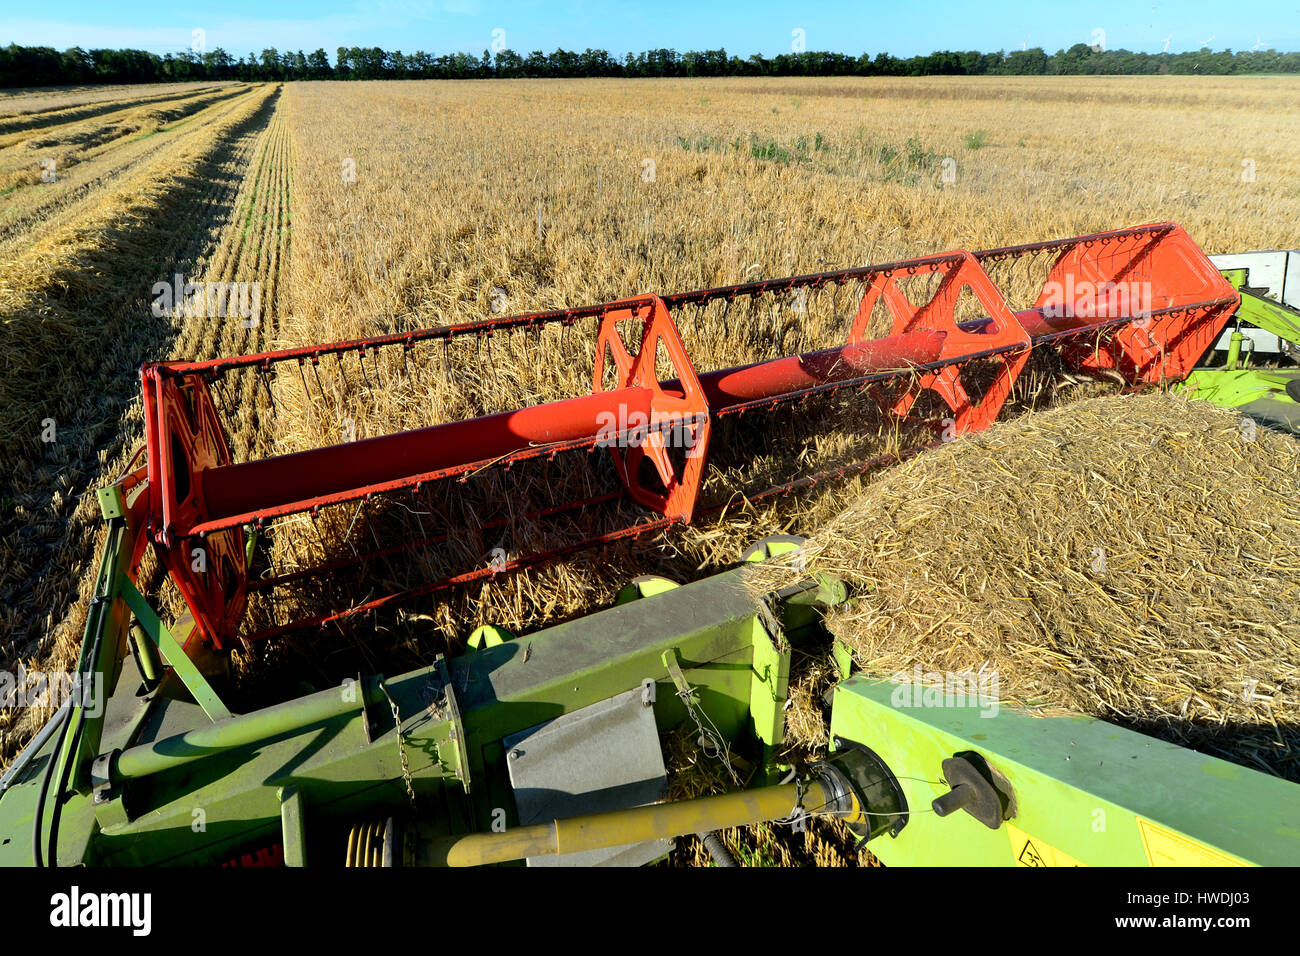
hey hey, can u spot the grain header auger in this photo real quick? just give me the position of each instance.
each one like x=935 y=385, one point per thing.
x=548 y=747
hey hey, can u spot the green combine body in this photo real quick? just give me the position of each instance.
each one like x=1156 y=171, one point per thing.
x=157 y=771
x=1257 y=369
x=547 y=747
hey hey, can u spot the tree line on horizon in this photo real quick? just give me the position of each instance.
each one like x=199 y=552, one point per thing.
x=45 y=66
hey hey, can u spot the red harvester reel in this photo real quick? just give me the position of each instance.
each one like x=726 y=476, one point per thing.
x=1141 y=303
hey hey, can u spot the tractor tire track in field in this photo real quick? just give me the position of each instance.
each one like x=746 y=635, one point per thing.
x=224 y=219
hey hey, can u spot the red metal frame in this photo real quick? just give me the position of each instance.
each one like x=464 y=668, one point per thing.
x=185 y=444
x=1167 y=272
x=680 y=407
x=1000 y=333
x=199 y=497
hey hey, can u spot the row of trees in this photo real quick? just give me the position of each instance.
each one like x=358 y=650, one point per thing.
x=44 y=66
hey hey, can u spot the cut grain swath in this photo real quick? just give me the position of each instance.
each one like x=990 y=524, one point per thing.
x=1141 y=304
x=1143 y=598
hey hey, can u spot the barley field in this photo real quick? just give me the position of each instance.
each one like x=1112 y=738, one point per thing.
x=371 y=207
x=541 y=195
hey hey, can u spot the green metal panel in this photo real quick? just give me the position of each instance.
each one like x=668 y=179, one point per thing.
x=1262 y=312
x=1258 y=392
x=710 y=624
x=769 y=689
x=1086 y=792
x=184 y=789
x=172 y=651
x=1233 y=388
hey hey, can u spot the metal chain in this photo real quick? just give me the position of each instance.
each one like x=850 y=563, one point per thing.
x=799 y=816
x=401 y=744
x=711 y=742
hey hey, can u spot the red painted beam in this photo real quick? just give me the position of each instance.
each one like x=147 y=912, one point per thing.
x=322 y=476
x=307 y=477
x=798 y=372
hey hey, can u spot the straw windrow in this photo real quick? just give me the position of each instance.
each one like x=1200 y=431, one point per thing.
x=1136 y=558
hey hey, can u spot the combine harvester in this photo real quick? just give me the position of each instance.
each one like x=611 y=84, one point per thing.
x=1260 y=371
x=546 y=748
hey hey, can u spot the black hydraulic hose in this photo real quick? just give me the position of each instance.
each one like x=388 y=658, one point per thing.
x=717 y=849
x=45 y=787
x=34 y=746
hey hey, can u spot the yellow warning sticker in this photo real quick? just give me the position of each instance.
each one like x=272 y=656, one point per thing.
x=1031 y=851
x=1167 y=848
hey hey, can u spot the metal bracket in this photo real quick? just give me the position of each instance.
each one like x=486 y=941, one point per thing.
x=181 y=665
x=770 y=684
x=452 y=716
x=111 y=503
x=684 y=689
x=106 y=797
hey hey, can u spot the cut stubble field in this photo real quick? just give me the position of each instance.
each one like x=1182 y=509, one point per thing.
x=421 y=203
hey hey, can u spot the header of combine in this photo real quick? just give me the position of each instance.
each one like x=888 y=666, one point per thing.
x=1143 y=303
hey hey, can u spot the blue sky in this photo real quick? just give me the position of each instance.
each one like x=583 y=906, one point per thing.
x=900 y=27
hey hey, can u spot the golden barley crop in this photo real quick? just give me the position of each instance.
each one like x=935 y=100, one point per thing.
x=422 y=203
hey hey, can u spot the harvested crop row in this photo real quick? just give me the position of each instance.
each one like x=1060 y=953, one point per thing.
x=48 y=169
x=44 y=289
x=254 y=245
x=168 y=216
x=32 y=213
x=40 y=108
x=27 y=158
